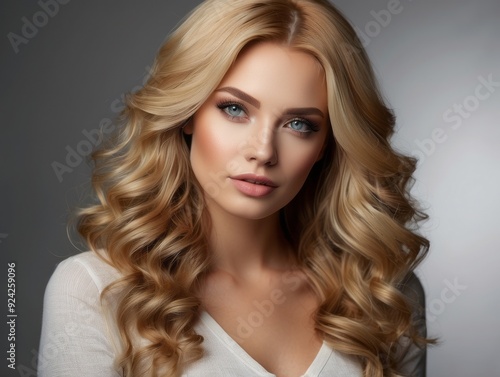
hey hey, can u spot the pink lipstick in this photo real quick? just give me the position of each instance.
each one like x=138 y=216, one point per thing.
x=253 y=185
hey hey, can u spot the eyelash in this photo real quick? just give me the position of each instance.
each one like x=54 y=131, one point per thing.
x=224 y=104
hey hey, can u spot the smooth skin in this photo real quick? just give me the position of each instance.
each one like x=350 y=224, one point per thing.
x=268 y=117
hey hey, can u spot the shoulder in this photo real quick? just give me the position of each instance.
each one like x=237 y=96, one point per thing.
x=83 y=276
x=86 y=267
x=79 y=335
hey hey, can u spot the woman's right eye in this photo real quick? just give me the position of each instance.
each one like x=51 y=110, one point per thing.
x=233 y=110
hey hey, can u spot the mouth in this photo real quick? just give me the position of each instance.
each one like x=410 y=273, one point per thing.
x=255 y=179
x=252 y=185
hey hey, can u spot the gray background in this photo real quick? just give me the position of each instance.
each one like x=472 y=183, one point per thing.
x=430 y=56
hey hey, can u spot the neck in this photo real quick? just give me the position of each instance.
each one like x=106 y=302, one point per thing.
x=246 y=247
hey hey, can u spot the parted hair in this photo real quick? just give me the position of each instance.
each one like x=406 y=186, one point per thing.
x=353 y=225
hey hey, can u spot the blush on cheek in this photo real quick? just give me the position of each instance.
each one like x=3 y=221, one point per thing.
x=212 y=155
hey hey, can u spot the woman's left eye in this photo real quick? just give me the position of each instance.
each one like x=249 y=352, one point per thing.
x=301 y=126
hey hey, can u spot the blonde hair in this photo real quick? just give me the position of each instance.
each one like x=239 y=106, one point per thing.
x=352 y=224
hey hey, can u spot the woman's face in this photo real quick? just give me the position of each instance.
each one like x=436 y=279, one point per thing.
x=256 y=138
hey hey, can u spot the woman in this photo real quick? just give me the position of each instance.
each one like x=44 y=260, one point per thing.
x=251 y=218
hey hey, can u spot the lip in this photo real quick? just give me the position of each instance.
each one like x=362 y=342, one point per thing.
x=255 y=179
x=253 y=185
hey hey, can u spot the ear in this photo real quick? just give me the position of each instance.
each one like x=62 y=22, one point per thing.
x=187 y=126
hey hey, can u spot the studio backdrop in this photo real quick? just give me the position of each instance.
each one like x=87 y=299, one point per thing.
x=67 y=65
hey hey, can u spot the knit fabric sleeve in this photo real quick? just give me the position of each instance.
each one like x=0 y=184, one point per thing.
x=76 y=338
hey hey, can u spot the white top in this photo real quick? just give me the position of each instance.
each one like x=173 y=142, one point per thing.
x=80 y=339
x=225 y=358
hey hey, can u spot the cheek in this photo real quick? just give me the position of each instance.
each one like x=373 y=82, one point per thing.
x=304 y=169
x=213 y=151
x=202 y=145
x=300 y=164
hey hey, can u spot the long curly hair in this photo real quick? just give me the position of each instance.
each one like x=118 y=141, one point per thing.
x=353 y=225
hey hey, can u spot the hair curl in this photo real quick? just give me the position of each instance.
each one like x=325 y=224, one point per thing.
x=352 y=224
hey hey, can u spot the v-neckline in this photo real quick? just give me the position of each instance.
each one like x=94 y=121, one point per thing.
x=313 y=370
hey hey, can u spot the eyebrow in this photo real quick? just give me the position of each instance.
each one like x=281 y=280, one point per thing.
x=256 y=103
x=241 y=95
x=304 y=111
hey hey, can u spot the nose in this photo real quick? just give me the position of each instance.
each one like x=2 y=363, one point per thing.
x=261 y=147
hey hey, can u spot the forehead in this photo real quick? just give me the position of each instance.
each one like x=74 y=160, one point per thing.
x=278 y=75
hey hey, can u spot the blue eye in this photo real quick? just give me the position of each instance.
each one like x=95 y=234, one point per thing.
x=298 y=125
x=301 y=126
x=232 y=110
